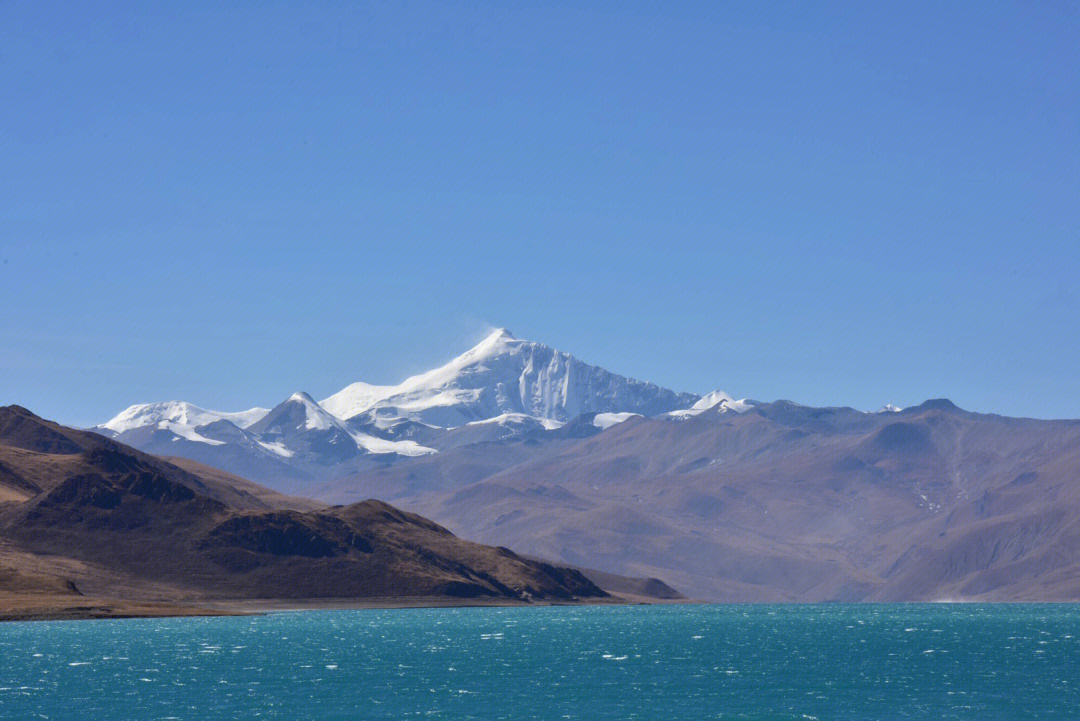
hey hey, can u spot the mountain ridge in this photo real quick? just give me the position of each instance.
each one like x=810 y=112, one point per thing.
x=780 y=503
x=501 y=380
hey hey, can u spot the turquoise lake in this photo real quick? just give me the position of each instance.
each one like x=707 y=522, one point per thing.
x=821 y=662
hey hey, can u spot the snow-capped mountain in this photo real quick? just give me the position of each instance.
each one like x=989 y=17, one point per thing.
x=300 y=426
x=500 y=389
x=297 y=440
x=218 y=439
x=173 y=415
x=718 y=400
x=504 y=375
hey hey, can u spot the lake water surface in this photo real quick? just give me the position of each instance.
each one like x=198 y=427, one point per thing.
x=662 y=662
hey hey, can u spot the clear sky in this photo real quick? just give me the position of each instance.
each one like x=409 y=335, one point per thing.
x=835 y=203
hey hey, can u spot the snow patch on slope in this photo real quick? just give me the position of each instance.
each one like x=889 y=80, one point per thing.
x=507 y=419
x=372 y=444
x=187 y=433
x=277 y=448
x=607 y=420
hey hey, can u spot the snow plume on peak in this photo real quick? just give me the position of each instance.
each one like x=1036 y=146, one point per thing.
x=493 y=340
x=503 y=374
x=358 y=397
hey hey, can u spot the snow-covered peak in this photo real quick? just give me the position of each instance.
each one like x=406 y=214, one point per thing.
x=514 y=383
x=358 y=397
x=717 y=398
x=179 y=413
x=503 y=374
x=315 y=416
x=498 y=343
x=712 y=399
x=889 y=408
x=297 y=412
x=299 y=424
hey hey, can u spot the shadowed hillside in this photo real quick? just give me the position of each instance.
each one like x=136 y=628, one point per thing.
x=86 y=516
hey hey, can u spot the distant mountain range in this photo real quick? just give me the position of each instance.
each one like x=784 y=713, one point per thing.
x=519 y=444
x=780 y=503
x=509 y=383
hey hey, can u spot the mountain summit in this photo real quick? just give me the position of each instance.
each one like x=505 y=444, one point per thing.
x=500 y=375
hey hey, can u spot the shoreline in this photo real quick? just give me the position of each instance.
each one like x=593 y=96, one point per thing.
x=17 y=609
x=102 y=608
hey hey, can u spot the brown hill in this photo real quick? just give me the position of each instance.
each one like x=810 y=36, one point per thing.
x=89 y=517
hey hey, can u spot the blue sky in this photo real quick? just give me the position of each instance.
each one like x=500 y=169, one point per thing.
x=835 y=203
